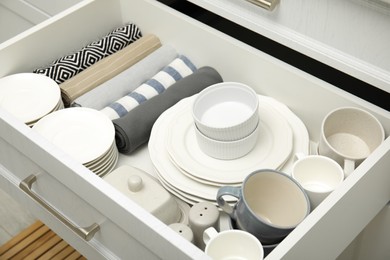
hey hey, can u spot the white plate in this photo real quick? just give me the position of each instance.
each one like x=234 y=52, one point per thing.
x=166 y=169
x=188 y=198
x=273 y=148
x=59 y=106
x=101 y=159
x=188 y=189
x=29 y=96
x=109 y=163
x=104 y=162
x=83 y=133
x=300 y=133
x=109 y=167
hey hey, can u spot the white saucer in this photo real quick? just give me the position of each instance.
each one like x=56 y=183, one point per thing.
x=29 y=96
x=273 y=148
x=83 y=133
x=106 y=164
x=103 y=158
x=108 y=168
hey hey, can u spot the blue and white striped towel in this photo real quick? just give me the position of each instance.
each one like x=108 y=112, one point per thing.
x=173 y=72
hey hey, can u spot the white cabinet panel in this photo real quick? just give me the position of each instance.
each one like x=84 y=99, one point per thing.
x=17 y=16
x=349 y=35
x=52 y=7
x=11 y=23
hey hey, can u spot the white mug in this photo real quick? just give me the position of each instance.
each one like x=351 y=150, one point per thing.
x=349 y=135
x=232 y=244
x=318 y=175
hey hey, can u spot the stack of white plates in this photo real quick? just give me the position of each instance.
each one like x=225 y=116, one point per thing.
x=29 y=96
x=85 y=134
x=193 y=176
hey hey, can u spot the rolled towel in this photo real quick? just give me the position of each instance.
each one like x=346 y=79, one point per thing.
x=133 y=130
x=70 y=65
x=128 y=80
x=107 y=68
x=176 y=70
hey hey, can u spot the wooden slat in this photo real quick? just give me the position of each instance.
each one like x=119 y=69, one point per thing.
x=38 y=242
x=22 y=235
x=34 y=245
x=25 y=242
x=52 y=241
x=68 y=250
x=53 y=251
x=74 y=256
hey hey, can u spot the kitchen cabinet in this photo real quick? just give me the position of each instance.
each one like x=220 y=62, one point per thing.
x=118 y=228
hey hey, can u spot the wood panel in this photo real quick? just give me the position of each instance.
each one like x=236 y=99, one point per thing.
x=38 y=242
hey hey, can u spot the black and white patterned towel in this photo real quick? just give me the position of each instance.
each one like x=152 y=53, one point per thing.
x=70 y=65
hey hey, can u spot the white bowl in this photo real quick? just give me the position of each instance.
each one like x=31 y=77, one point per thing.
x=227 y=150
x=226 y=111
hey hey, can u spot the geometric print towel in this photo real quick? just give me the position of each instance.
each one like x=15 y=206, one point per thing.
x=173 y=72
x=70 y=65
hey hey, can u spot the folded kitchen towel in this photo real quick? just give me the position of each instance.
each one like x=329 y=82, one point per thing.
x=176 y=70
x=69 y=65
x=128 y=80
x=107 y=68
x=133 y=130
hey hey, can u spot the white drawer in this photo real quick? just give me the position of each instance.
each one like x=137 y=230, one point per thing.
x=127 y=230
x=328 y=31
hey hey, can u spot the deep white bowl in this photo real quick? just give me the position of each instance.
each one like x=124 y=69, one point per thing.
x=226 y=111
x=227 y=150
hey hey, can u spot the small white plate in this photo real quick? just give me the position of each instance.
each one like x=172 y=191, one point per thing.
x=83 y=133
x=104 y=162
x=273 y=148
x=109 y=167
x=101 y=159
x=29 y=96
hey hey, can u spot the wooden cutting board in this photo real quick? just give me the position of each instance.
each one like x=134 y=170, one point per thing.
x=38 y=242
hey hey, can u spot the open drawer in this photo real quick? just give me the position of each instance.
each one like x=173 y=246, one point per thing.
x=81 y=199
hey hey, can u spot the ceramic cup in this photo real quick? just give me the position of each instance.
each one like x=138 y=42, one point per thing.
x=318 y=175
x=270 y=205
x=232 y=244
x=349 y=135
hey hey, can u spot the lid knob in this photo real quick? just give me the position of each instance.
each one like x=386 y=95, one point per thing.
x=134 y=182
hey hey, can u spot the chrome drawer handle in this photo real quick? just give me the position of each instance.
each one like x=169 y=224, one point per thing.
x=86 y=233
x=266 y=4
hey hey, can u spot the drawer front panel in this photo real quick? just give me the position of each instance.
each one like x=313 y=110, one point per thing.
x=327 y=31
x=21 y=157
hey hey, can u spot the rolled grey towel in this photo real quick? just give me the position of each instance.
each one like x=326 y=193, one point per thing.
x=133 y=130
